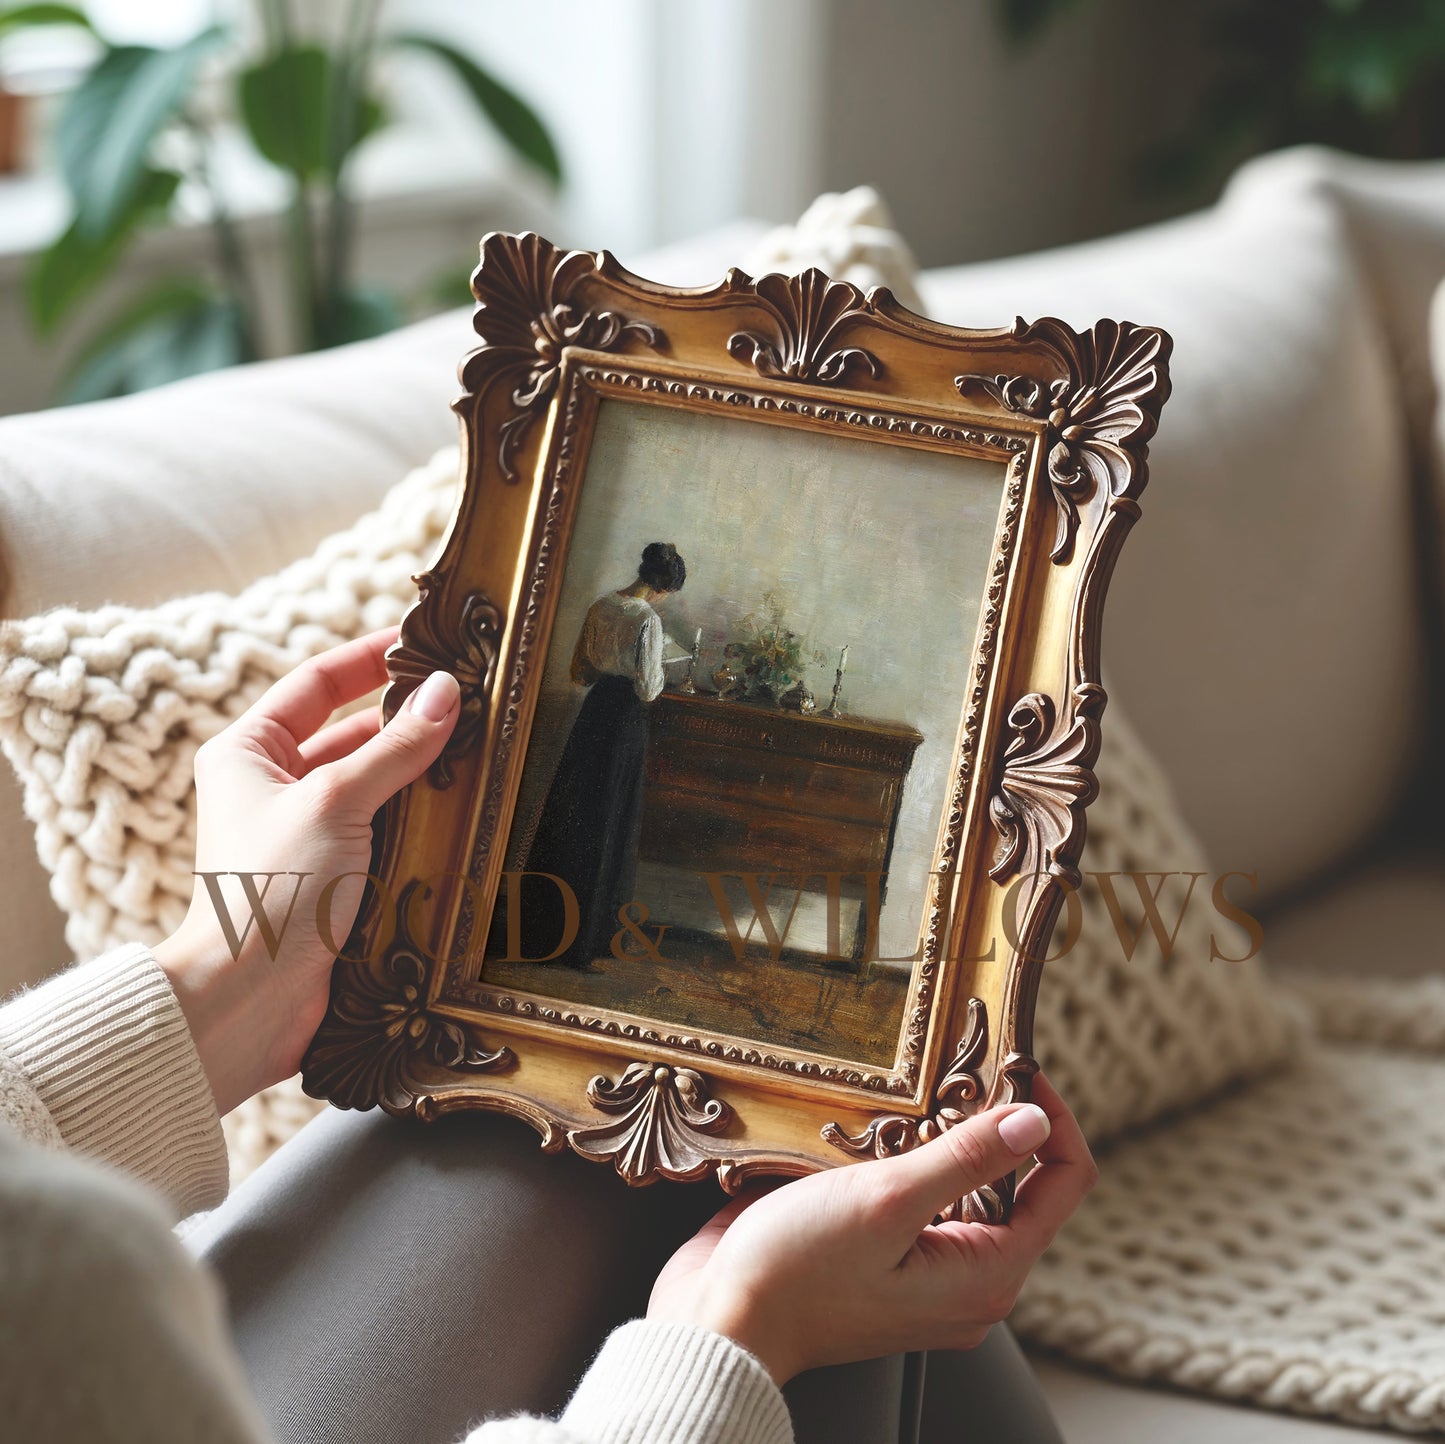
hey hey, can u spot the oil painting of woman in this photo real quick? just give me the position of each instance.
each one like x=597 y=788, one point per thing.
x=589 y=825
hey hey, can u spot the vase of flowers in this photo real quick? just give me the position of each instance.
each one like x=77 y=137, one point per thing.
x=770 y=657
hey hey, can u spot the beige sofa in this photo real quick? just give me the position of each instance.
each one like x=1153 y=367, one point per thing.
x=1273 y=631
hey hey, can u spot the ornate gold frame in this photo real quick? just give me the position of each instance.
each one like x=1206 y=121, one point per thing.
x=1070 y=414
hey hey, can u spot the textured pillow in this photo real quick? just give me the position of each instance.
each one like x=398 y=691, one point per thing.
x=1128 y=1032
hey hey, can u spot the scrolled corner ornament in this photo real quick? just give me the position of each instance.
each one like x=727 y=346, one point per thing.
x=1046 y=782
x=468 y=649
x=1098 y=416
x=526 y=317
x=809 y=311
x=379 y=1032
x=662 y=1114
x=956 y=1098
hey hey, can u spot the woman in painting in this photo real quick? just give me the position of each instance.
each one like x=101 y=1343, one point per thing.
x=588 y=829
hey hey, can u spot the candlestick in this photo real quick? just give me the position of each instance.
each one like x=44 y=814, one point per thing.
x=832 y=708
x=688 y=685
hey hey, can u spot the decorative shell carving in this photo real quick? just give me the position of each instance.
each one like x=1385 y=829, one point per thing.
x=525 y=317
x=956 y=1098
x=810 y=311
x=378 y=1031
x=467 y=648
x=662 y=1116
x=1046 y=783
x=1096 y=421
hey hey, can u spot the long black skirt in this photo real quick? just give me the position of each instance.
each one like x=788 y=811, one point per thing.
x=588 y=831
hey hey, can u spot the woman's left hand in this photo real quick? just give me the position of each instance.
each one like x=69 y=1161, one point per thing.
x=848 y=1264
x=285 y=805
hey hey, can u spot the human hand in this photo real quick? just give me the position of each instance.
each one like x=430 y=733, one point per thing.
x=848 y=1264
x=280 y=793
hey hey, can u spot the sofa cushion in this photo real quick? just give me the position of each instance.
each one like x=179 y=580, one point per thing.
x=1381 y=919
x=1262 y=630
x=1395 y=212
x=215 y=481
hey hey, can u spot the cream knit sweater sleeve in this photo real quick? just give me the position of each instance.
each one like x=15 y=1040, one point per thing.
x=112 y=1331
x=107 y=1055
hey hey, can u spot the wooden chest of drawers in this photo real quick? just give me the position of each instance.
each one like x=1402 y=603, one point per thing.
x=733 y=787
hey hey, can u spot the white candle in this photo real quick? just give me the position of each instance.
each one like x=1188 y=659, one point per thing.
x=843 y=662
x=697 y=640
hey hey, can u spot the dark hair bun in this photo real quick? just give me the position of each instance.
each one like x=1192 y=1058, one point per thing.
x=662 y=569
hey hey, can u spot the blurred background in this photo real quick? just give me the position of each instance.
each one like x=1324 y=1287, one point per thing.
x=189 y=183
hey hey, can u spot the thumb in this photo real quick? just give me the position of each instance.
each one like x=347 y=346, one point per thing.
x=402 y=750
x=968 y=1156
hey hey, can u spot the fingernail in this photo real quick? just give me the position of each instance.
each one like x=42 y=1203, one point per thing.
x=1024 y=1129
x=435 y=697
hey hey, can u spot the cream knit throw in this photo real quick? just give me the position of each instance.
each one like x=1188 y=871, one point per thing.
x=1285 y=1246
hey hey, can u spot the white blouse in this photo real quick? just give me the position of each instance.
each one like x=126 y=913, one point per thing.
x=621 y=637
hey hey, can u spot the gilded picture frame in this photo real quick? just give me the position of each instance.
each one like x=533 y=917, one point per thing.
x=783 y=380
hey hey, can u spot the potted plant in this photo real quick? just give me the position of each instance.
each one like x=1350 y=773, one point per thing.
x=134 y=129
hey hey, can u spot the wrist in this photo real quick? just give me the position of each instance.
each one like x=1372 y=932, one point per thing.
x=220 y=1004
x=732 y=1316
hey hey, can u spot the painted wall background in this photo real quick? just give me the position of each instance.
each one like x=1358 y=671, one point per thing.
x=881 y=548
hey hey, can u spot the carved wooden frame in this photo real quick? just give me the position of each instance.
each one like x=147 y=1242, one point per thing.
x=1069 y=414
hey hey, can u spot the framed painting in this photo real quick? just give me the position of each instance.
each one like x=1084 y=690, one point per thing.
x=776 y=613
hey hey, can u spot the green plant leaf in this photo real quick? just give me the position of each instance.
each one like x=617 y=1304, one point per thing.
x=516 y=122
x=285 y=102
x=75 y=262
x=371 y=115
x=104 y=133
x=23 y=17
x=1372 y=62
x=177 y=329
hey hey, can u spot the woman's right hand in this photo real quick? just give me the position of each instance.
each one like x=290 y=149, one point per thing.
x=848 y=1264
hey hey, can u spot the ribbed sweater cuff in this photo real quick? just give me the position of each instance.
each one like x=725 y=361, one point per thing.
x=658 y=1383
x=107 y=1050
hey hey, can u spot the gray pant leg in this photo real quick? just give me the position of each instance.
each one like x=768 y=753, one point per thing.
x=989 y=1393
x=395 y=1282
x=392 y=1282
